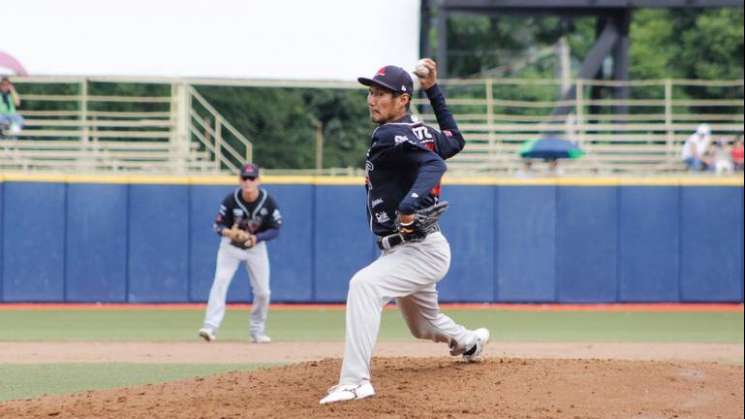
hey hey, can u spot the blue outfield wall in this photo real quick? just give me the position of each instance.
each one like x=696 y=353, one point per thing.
x=34 y=229
x=648 y=225
x=526 y=261
x=586 y=244
x=96 y=243
x=585 y=241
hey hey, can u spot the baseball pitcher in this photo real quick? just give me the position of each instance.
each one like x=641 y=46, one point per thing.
x=247 y=219
x=403 y=170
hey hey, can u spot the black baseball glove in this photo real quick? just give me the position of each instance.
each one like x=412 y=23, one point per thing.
x=423 y=223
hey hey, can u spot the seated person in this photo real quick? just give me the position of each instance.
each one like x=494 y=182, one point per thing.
x=9 y=100
x=526 y=171
x=737 y=154
x=722 y=162
x=553 y=169
x=695 y=148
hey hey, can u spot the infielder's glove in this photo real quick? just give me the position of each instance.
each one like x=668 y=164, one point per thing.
x=423 y=223
x=250 y=241
x=238 y=235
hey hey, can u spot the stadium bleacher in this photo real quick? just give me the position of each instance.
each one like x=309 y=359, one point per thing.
x=179 y=133
x=182 y=133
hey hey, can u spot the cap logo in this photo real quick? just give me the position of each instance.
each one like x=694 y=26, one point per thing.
x=403 y=88
x=381 y=72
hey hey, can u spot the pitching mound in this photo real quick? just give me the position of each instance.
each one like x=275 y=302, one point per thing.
x=425 y=388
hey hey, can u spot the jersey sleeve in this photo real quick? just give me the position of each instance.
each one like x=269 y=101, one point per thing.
x=390 y=143
x=275 y=217
x=449 y=139
x=401 y=149
x=272 y=222
x=431 y=168
x=224 y=217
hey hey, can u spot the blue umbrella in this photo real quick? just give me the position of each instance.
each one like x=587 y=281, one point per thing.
x=550 y=149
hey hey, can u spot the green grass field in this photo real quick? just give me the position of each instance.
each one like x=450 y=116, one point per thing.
x=23 y=380
x=328 y=324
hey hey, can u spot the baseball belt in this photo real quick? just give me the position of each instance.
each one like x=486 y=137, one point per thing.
x=392 y=240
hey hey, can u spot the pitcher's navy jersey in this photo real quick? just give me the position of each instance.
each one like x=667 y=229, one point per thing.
x=404 y=164
x=260 y=218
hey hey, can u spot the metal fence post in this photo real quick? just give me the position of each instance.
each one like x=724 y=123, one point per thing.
x=85 y=162
x=319 y=145
x=580 y=111
x=669 y=137
x=180 y=115
x=218 y=142
x=493 y=152
x=84 y=109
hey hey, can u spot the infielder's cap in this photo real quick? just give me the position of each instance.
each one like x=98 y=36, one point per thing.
x=392 y=78
x=250 y=170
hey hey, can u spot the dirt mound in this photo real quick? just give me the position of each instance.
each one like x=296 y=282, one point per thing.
x=426 y=388
x=286 y=352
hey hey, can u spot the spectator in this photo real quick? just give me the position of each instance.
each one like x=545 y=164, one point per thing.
x=707 y=160
x=722 y=163
x=526 y=171
x=9 y=100
x=553 y=169
x=695 y=147
x=737 y=155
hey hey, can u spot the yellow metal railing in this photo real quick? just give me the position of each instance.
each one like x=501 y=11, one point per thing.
x=134 y=133
x=184 y=133
x=496 y=119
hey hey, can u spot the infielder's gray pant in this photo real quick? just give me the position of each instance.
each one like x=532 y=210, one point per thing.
x=408 y=273
x=257 y=265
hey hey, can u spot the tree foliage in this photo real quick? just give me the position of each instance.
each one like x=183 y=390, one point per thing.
x=665 y=43
x=281 y=123
x=684 y=44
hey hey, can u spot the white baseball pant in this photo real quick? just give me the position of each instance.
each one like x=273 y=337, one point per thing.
x=257 y=266
x=409 y=273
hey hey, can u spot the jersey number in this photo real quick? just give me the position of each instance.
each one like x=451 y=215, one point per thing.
x=421 y=132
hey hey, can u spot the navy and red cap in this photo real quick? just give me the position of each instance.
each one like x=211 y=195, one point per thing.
x=250 y=170
x=391 y=77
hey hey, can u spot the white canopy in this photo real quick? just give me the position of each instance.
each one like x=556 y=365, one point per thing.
x=245 y=39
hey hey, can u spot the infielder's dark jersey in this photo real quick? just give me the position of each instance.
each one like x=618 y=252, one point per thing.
x=405 y=163
x=261 y=217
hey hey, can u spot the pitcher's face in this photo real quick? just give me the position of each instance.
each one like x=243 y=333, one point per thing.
x=384 y=106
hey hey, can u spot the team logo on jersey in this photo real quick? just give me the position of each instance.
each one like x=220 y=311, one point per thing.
x=263 y=211
x=237 y=213
x=400 y=139
x=254 y=224
x=382 y=217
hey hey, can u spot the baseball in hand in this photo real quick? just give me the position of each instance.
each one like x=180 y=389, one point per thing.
x=421 y=70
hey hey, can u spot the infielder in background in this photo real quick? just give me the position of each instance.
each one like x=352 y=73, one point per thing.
x=404 y=166
x=247 y=219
